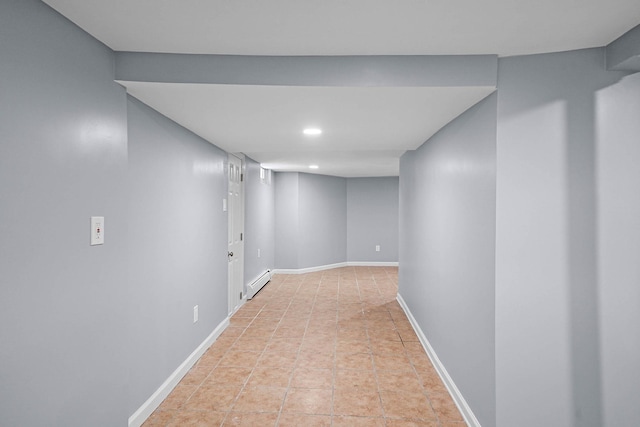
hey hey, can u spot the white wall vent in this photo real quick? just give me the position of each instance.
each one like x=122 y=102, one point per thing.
x=257 y=284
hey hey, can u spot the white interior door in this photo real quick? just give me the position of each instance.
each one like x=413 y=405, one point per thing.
x=236 y=233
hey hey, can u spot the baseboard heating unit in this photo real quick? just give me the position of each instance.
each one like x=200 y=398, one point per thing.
x=257 y=284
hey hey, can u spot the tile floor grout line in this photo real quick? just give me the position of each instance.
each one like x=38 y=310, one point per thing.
x=246 y=381
x=325 y=292
x=198 y=386
x=334 y=372
x=286 y=393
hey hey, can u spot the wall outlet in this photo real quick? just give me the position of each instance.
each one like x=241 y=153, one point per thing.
x=377 y=248
x=195 y=314
x=258 y=253
x=97 y=230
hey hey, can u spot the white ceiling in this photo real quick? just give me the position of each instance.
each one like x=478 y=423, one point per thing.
x=365 y=129
x=352 y=27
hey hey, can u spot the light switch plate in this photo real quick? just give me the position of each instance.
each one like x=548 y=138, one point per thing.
x=97 y=230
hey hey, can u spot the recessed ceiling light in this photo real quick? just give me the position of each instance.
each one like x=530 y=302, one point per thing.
x=312 y=131
x=313 y=166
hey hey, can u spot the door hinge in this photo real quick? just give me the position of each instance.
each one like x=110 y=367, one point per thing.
x=241 y=237
x=240 y=295
x=241 y=177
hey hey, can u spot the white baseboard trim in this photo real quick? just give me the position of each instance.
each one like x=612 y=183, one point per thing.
x=147 y=408
x=330 y=266
x=242 y=302
x=372 y=264
x=459 y=400
x=308 y=269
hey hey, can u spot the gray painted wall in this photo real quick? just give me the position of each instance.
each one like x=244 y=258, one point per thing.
x=618 y=223
x=372 y=219
x=322 y=207
x=623 y=54
x=259 y=222
x=311 y=221
x=286 y=220
x=447 y=232
x=317 y=217
x=546 y=253
x=107 y=324
x=177 y=247
x=63 y=159
x=567 y=224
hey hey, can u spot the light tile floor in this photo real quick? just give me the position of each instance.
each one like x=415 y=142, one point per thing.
x=330 y=348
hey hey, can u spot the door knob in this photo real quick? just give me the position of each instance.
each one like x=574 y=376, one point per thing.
x=230 y=254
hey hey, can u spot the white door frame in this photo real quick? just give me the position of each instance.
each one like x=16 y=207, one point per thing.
x=235 y=204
